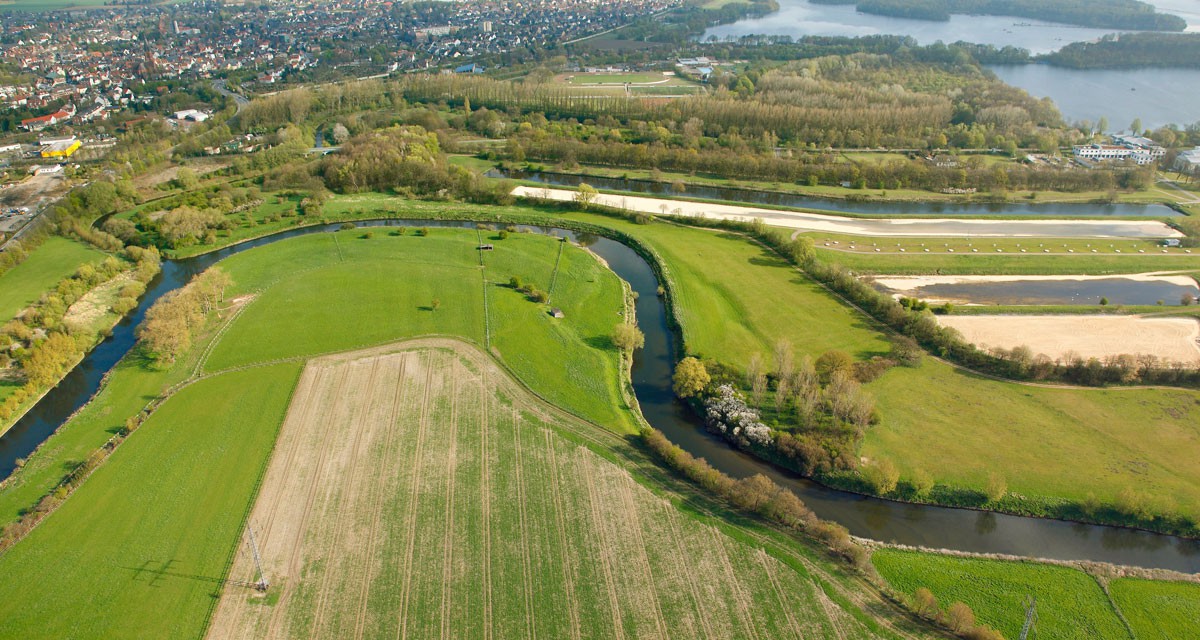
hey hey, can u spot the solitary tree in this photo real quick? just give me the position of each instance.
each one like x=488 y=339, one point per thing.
x=437 y=302
x=586 y=195
x=628 y=337
x=691 y=377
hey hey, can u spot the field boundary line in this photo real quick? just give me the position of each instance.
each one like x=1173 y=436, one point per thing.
x=1103 y=583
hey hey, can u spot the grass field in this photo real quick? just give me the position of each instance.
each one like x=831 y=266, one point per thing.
x=1070 y=603
x=981 y=247
x=345 y=292
x=417 y=492
x=1159 y=610
x=54 y=260
x=141 y=549
x=138 y=550
x=617 y=78
x=735 y=299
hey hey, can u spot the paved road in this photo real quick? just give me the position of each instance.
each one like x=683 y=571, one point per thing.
x=238 y=98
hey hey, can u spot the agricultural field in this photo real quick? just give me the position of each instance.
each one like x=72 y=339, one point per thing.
x=138 y=549
x=147 y=540
x=417 y=491
x=1144 y=601
x=53 y=260
x=1070 y=603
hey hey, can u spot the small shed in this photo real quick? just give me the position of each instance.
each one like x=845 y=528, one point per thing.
x=557 y=313
x=485 y=247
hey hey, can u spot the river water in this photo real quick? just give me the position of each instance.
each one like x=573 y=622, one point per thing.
x=653 y=366
x=1157 y=96
x=881 y=208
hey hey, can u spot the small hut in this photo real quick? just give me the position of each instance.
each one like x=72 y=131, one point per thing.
x=557 y=313
x=485 y=247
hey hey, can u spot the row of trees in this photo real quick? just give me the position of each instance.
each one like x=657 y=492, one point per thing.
x=171 y=324
x=808 y=169
x=38 y=346
x=1101 y=14
x=757 y=494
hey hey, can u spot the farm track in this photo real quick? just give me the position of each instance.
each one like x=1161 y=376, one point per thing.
x=373 y=506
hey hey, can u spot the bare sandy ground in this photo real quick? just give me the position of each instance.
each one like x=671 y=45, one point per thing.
x=1173 y=339
x=905 y=284
x=875 y=227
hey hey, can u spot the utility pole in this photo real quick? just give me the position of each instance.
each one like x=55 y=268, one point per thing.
x=262 y=583
x=1030 y=617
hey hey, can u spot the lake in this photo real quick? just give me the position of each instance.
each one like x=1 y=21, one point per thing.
x=1157 y=96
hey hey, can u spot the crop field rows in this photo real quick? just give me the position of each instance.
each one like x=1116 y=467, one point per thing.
x=416 y=491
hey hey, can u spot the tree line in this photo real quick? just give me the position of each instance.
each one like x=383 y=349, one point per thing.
x=1101 y=14
x=39 y=345
x=172 y=323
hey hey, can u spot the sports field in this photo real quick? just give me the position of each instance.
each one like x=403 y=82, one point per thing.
x=416 y=491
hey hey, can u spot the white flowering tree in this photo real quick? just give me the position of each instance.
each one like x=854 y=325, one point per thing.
x=727 y=413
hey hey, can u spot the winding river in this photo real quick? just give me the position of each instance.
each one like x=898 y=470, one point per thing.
x=867 y=517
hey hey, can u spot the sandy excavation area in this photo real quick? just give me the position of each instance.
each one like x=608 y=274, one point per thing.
x=417 y=492
x=1173 y=339
x=907 y=284
x=876 y=227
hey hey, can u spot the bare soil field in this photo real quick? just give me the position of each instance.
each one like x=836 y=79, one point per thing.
x=1173 y=339
x=417 y=491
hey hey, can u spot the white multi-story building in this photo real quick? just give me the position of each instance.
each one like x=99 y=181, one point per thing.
x=1111 y=152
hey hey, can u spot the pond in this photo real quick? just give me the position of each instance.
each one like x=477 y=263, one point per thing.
x=1014 y=290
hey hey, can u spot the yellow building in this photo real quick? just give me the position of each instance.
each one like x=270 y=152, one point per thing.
x=61 y=149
